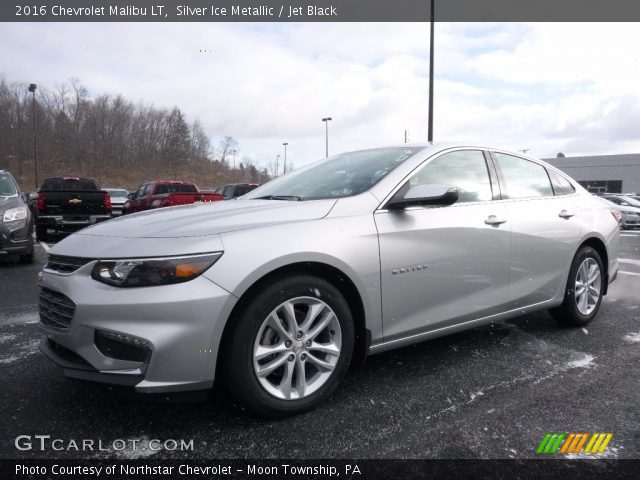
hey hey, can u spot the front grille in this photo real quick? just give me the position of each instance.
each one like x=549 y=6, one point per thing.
x=62 y=264
x=56 y=309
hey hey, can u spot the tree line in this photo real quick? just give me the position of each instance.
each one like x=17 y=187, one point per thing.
x=110 y=138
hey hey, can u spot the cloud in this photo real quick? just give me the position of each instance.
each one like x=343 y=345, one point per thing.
x=547 y=87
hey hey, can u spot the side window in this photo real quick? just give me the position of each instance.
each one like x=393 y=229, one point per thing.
x=466 y=170
x=561 y=186
x=140 y=191
x=523 y=178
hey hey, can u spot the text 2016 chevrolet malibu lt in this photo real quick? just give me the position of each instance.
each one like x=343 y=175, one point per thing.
x=276 y=293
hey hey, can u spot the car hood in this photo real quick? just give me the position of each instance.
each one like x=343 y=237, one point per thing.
x=10 y=202
x=209 y=218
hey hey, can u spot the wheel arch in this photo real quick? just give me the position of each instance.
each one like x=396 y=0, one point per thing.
x=331 y=274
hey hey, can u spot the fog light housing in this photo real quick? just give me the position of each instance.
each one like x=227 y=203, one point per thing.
x=122 y=347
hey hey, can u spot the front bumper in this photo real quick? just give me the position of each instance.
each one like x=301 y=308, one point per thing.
x=59 y=222
x=15 y=237
x=630 y=221
x=180 y=325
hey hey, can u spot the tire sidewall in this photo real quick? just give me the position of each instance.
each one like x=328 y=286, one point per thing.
x=243 y=383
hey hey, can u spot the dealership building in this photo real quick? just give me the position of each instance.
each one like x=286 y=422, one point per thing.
x=603 y=173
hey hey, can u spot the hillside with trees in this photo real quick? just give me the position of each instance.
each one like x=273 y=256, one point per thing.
x=110 y=138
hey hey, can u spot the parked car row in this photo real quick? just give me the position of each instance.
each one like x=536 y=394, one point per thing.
x=16 y=227
x=628 y=206
x=68 y=203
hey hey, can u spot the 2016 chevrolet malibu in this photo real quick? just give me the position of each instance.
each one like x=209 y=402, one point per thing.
x=276 y=293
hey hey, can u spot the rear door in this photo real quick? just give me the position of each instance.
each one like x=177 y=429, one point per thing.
x=544 y=227
x=445 y=265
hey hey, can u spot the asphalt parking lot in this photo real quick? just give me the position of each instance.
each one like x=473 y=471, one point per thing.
x=492 y=392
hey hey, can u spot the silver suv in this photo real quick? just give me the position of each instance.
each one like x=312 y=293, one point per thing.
x=278 y=292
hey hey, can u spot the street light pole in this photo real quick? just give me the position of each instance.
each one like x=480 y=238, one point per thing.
x=284 y=169
x=32 y=89
x=326 y=121
x=277 y=162
x=430 y=133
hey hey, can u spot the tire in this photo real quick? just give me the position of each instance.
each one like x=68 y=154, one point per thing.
x=281 y=393
x=579 y=309
x=41 y=233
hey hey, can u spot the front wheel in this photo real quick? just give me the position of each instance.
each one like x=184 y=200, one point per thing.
x=290 y=347
x=583 y=294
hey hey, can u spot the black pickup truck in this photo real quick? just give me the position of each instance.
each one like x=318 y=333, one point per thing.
x=69 y=204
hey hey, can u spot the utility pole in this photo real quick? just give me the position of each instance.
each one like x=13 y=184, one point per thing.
x=525 y=150
x=284 y=169
x=430 y=133
x=32 y=89
x=405 y=136
x=326 y=121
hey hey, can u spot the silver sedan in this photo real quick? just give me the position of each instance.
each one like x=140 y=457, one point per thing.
x=278 y=292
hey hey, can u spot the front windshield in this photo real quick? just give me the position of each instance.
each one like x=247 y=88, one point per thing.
x=344 y=175
x=7 y=188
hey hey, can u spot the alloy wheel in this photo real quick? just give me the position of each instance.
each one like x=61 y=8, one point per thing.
x=588 y=286
x=297 y=348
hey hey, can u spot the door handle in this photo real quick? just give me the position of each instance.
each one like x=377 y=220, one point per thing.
x=566 y=214
x=493 y=220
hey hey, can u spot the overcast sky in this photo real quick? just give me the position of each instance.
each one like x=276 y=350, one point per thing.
x=556 y=87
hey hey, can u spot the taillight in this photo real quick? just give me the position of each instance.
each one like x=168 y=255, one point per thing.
x=617 y=215
x=40 y=202
x=107 y=202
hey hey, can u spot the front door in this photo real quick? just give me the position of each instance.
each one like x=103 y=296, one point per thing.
x=445 y=265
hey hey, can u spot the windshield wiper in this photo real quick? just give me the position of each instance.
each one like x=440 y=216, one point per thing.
x=294 y=198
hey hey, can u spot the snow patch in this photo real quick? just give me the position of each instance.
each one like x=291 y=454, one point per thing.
x=7 y=338
x=24 y=350
x=142 y=449
x=585 y=362
x=632 y=338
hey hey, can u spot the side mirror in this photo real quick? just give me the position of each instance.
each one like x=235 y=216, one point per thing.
x=32 y=196
x=130 y=196
x=424 y=195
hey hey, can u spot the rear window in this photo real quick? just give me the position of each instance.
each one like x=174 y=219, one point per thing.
x=561 y=186
x=7 y=187
x=176 y=188
x=117 y=193
x=69 y=185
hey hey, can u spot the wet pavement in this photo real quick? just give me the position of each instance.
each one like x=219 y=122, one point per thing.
x=491 y=392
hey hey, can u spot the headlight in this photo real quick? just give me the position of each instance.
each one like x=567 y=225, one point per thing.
x=146 y=272
x=13 y=214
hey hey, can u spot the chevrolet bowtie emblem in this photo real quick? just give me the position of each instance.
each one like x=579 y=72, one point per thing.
x=75 y=201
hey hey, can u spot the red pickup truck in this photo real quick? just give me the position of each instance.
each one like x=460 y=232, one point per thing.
x=166 y=193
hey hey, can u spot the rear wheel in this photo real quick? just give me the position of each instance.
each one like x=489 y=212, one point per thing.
x=290 y=347
x=583 y=294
